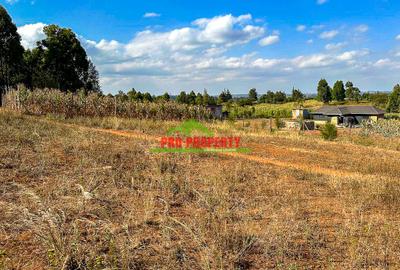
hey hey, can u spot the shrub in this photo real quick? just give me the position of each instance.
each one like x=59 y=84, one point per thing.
x=387 y=128
x=329 y=132
x=279 y=123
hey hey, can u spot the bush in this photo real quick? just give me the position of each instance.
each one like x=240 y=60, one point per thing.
x=279 y=123
x=387 y=128
x=329 y=132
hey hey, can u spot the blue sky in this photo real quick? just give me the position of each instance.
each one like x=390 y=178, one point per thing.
x=176 y=45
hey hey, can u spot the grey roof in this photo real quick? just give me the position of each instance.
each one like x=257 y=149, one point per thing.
x=349 y=110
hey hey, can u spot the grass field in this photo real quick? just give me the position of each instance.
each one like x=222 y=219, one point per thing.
x=295 y=202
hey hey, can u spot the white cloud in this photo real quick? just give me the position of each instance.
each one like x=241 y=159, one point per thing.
x=362 y=28
x=301 y=28
x=321 y=2
x=335 y=46
x=269 y=40
x=398 y=37
x=310 y=41
x=383 y=62
x=350 y=55
x=151 y=15
x=203 y=55
x=11 y=2
x=329 y=34
x=30 y=34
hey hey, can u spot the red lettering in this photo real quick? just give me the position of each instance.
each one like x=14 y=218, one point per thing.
x=189 y=142
x=237 y=142
x=164 y=141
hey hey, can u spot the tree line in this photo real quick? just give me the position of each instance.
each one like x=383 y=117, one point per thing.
x=348 y=91
x=339 y=92
x=58 y=61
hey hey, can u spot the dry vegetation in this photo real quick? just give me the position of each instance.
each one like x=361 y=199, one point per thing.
x=296 y=202
x=53 y=101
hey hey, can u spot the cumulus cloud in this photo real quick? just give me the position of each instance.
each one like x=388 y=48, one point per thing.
x=151 y=15
x=329 y=34
x=269 y=40
x=398 y=37
x=301 y=28
x=203 y=55
x=335 y=46
x=30 y=34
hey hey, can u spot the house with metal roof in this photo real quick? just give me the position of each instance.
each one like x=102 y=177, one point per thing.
x=346 y=115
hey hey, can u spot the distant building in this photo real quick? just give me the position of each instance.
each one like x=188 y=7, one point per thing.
x=216 y=111
x=300 y=113
x=346 y=115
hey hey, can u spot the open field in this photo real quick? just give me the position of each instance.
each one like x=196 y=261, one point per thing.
x=295 y=202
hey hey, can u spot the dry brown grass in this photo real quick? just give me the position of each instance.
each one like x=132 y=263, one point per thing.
x=166 y=211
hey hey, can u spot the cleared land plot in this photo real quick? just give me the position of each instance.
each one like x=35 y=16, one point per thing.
x=292 y=203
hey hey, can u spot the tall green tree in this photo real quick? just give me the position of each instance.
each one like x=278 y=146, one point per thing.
x=11 y=52
x=280 y=97
x=64 y=60
x=225 y=96
x=352 y=93
x=182 y=97
x=394 y=100
x=253 y=94
x=297 y=95
x=132 y=94
x=268 y=97
x=191 y=98
x=92 y=78
x=199 y=99
x=165 y=96
x=324 y=91
x=338 y=91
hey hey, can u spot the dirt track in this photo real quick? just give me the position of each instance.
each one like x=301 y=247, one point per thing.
x=270 y=154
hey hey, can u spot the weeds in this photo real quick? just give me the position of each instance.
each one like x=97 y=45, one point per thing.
x=166 y=211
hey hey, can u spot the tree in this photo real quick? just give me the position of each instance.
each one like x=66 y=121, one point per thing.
x=324 y=91
x=165 y=96
x=147 y=97
x=356 y=94
x=199 y=99
x=349 y=91
x=279 y=97
x=379 y=99
x=225 y=96
x=253 y=94
x=64 y=59
x=268 y=98
x=297 y=95
x=92 y=79
x=394 y=100
x=191 y=98
x=352 y=93
x=11 y=53
x=338 y=91
x=182 y=97
x=132 y=94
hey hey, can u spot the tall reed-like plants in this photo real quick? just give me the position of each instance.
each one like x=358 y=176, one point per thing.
x=52 y=101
